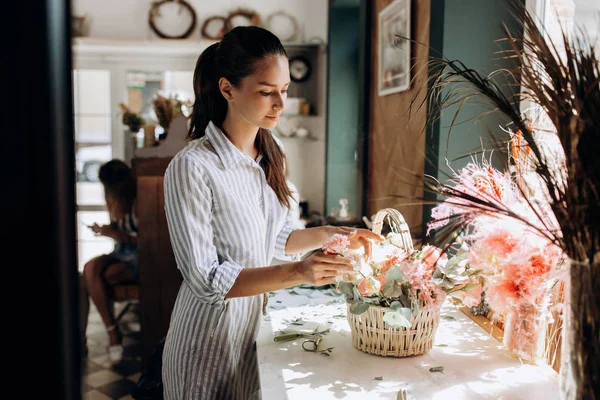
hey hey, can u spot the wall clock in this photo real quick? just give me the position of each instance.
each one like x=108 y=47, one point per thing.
x=300 y=69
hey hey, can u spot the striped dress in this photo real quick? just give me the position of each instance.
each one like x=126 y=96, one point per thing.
x=222 y=217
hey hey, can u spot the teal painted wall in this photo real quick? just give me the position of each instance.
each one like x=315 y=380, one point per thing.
x=342 y=108
x=471 y=28
x=465 y=30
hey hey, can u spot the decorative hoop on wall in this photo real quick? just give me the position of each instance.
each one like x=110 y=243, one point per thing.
x=242 y=17
x=154 y=14
x=214 y=21
x=275 y=22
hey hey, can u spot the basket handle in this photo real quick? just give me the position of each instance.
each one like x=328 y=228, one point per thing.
x=398 y=219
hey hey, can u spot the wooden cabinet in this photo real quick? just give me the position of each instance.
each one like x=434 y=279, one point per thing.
x=159 y=277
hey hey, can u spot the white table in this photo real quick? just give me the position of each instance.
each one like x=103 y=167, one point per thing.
x=475 y=367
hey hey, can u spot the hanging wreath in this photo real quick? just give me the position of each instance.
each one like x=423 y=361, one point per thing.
x=242 y=17
x=214 y=28
x=155 y=14
x=283 y=25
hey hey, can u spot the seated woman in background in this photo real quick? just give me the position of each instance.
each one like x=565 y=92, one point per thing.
x=102 y=272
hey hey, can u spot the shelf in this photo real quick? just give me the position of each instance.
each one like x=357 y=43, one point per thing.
x=88 y=45
x=181 y=47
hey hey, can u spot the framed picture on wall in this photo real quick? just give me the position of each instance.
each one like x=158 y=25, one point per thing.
x=394 y=48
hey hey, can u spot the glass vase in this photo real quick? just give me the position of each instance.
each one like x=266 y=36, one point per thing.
x=525 y=327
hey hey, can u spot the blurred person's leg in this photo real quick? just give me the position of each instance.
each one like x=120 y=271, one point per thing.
x=114 y=274
x=99 y=290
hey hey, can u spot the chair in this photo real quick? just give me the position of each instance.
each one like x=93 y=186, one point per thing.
x=126 y=292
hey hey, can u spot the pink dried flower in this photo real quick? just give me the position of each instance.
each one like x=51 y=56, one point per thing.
x=470 y=297
x=394 y=259
x=431 y=255
x=368 y=286
x=336 y=244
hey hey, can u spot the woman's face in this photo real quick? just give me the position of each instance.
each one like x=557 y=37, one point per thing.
x=258 y=100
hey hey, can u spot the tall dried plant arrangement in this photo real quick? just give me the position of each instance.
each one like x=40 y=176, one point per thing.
x=564 y=83
x=164 y=108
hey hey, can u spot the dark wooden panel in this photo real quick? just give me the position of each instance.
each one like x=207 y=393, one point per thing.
x=397 y=138
x=152 y=166
x=170 y=276
x=159 y=277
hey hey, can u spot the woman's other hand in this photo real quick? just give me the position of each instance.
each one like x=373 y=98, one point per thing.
x=358 y=237
x=321 y=269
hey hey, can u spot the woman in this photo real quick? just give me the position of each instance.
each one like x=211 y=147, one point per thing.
x=102 y=272
x=228 y=211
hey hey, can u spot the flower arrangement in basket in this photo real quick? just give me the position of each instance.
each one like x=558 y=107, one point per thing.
x=394 y=296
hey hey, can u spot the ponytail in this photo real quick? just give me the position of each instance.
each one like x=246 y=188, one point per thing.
x=209 y=105
x=273 y=163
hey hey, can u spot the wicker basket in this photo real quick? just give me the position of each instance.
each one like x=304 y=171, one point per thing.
x=369 y=332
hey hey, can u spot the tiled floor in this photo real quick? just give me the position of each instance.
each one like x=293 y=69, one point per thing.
x=101 y=380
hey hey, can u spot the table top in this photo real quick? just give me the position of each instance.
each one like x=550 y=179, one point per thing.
x=475 y=367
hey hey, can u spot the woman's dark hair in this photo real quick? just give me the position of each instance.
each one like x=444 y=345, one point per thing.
x=119 y=183
x=235 y=57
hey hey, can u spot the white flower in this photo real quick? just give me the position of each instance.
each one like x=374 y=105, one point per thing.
x=395 y=239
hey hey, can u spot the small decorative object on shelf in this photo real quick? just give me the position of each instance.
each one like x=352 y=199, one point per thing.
x=242 y=17
x=130 y=119
x=166 y=109
x=164 y=27
x=80 y=25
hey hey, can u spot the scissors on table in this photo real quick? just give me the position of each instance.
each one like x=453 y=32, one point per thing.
x=312 y=339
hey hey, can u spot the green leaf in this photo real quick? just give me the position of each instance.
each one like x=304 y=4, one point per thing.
x=359 y=308
x=404 y=300
x=394 y=274
x=395 y=305
x=392 y=289
x=286 y=336
x=415 y=307
x=346 y=288
x=398 y=318
x=441 y=345
x=371 y=300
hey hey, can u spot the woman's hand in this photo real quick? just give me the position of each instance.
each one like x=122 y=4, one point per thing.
x=358 y=237
x=321 y=269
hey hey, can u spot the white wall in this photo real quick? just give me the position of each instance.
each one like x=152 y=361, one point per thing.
x=128 y=19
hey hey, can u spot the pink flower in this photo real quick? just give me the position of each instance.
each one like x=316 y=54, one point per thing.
x=336 y=244
x=394 y=259
x=471 y=297
x=539 y=264
x=502 y=293
x=368 y=286
x=499 y=242
x=431 y=255
x=381 y=279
